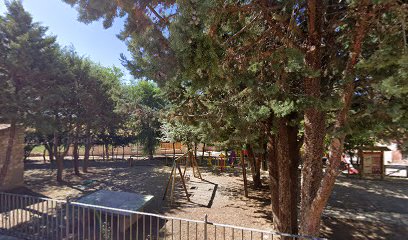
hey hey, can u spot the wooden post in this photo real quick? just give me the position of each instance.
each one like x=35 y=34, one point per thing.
x=173 y=182
x=174 y=151
x=168 y=183
x=182 y=180
x=382 y=165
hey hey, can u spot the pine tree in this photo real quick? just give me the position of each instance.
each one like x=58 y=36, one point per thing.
x=25 y=53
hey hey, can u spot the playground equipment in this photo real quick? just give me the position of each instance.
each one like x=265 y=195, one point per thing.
x=190 y=160
x=221 y=163
x=224 y=163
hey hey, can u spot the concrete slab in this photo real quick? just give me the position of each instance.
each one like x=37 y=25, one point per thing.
x=120 y=200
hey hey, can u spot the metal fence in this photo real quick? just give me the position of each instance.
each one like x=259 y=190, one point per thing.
x=29 y=217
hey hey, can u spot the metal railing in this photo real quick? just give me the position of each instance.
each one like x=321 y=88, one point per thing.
x=29 y=217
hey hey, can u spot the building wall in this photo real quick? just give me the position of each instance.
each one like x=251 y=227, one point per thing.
x=395 y=156
x=15 y=174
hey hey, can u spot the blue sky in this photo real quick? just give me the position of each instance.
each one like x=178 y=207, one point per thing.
x=92 y=40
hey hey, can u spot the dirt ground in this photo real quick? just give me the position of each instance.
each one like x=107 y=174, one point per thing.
x=358 y=209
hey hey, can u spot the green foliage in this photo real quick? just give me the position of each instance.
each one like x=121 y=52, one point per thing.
x=142 y=103
x=26 y=54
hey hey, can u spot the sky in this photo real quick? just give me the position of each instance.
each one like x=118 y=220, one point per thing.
x=92 y=40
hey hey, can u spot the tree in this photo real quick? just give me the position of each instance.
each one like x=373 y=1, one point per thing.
x=143 y=101
x=289 y=66
x=25 y=53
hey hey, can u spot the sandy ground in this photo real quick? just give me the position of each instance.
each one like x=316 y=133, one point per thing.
x=358 y=209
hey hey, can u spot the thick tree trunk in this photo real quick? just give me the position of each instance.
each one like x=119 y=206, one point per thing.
x=288 y=193
x=294 y=152
x=273 y=179
x=9 y=151
x=255 y=168
x=312 y=168
x=283 y=158
x=315 y=196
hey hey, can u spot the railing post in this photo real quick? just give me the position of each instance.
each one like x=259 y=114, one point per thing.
x=406 y=171
x=67 y=218
x=205 y=226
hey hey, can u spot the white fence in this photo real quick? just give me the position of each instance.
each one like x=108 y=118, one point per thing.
x=29 y=217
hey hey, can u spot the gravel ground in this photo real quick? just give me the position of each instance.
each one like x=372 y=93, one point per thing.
x=358 y=209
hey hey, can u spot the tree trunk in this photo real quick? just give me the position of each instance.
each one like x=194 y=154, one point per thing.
x=150 y=154
x=107 y=151
x=123 y=152
x=202 y=157
x=9 y=151
x=75 y=154
x=44 y=159
x=92 y=152
x=287 y=181
x=103 y=152
x=273 y=179
x=312 y=168
x=75 y=151
x=294 y=152
x=244 y=174
x=49 y=147
x=316 y=190
x=265 y=156
x=255 y=168
x=59 y=159
x=283 y=158
x=88 y=146
x=195 y=151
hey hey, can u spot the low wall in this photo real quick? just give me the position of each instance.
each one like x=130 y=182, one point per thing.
x=15 y=173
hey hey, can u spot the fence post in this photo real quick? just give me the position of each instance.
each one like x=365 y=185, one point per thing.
x=406 y=171
x=205 y=226
x=67 y=218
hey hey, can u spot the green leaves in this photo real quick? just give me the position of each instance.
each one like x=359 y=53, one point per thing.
x=142 y=103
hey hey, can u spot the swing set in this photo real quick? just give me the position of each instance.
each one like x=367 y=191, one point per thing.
x=222 y=162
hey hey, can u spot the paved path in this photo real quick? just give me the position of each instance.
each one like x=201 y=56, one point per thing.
x=367 y=209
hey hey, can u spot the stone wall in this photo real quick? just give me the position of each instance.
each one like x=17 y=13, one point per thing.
x=15 y=174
